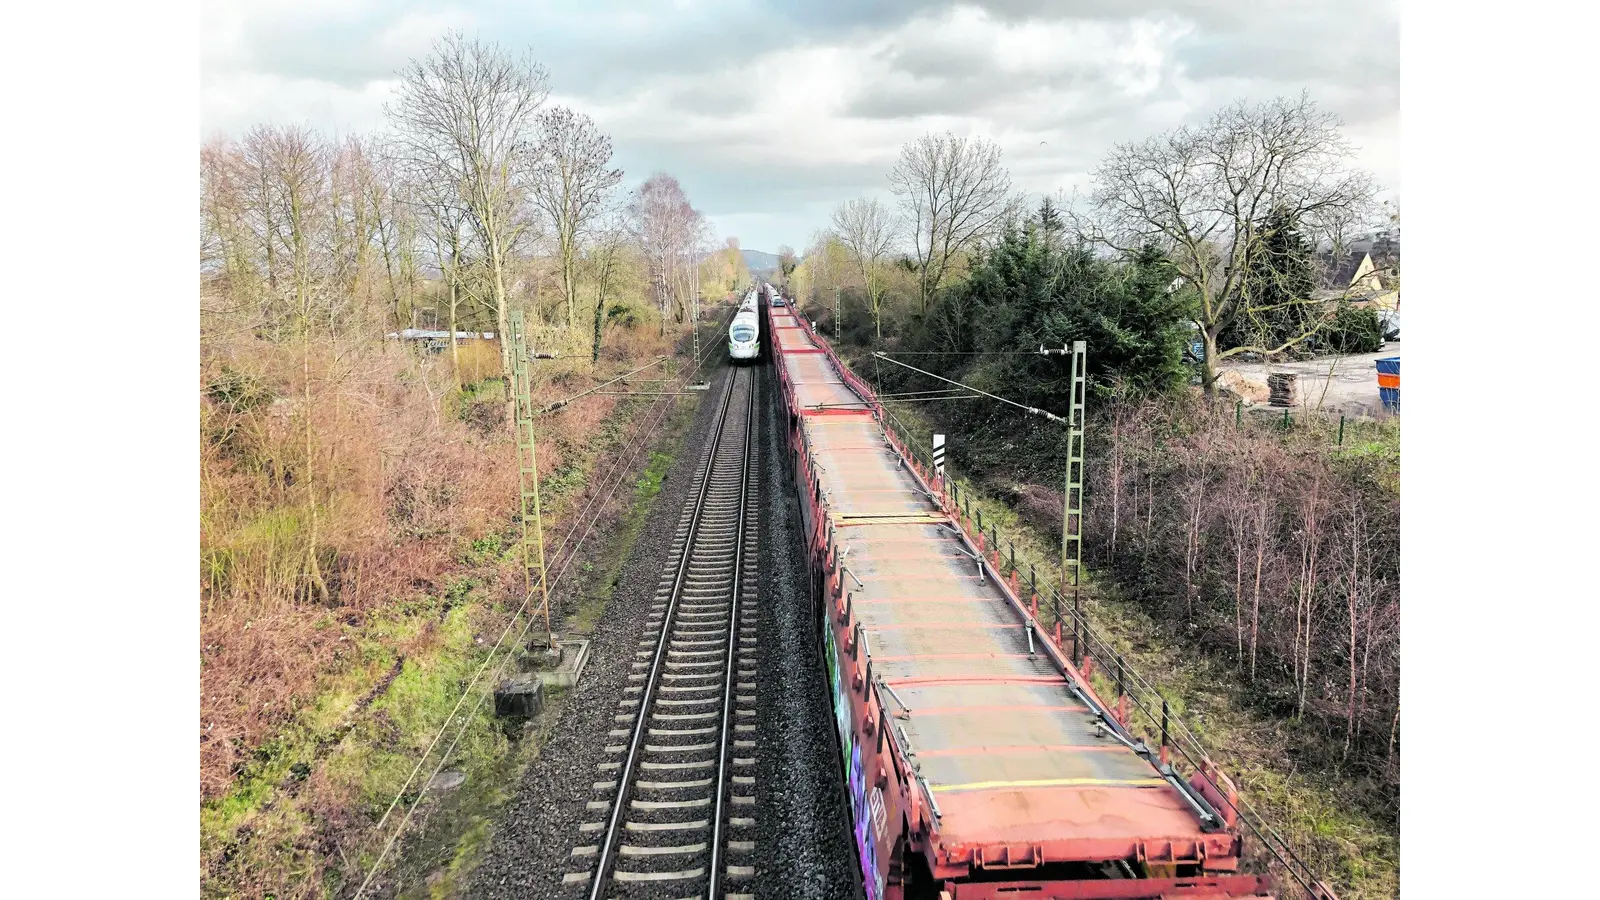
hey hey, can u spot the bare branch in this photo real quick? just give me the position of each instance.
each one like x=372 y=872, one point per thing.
x=955 y=193
x=1201 y=193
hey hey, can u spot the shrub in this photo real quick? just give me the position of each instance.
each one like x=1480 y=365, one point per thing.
x=1355 y=329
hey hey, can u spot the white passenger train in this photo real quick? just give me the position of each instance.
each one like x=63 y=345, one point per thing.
x=744 y=334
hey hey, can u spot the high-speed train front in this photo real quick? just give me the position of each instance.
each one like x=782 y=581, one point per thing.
x=744 y=334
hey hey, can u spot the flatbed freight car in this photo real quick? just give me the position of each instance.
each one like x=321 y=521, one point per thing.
x=980 y=761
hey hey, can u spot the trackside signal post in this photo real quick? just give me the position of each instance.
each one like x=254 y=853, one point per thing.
x=528 y=455
x=1072 y=514
x=528 y=473
x=1072 y=503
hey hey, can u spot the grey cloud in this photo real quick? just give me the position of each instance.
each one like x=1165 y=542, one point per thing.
x=696 y=66
x=967 y=95
x=1325 y=47
x=812 y=17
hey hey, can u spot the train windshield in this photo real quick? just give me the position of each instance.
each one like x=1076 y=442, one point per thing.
x=743 y=333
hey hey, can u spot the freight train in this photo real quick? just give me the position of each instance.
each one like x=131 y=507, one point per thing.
x=979 y=760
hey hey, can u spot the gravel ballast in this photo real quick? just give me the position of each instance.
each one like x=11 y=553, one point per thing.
x=802 y=813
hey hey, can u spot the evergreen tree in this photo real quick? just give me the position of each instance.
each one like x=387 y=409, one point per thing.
x=1031 y=288
x=1281 y=279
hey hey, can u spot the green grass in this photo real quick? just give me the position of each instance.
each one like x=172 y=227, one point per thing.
x=441 y=860
x=593 y=603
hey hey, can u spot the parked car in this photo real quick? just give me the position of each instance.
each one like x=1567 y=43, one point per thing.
x=1391 y=324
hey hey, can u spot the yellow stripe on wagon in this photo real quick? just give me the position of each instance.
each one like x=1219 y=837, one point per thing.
x=911 y=519
x=1052 y=782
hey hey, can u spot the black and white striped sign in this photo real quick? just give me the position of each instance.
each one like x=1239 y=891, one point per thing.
x=938 y=455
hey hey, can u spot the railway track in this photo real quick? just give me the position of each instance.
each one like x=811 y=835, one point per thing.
x=674 y=808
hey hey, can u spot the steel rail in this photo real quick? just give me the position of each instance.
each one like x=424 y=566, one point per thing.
x=606 y=861
x=735 y=590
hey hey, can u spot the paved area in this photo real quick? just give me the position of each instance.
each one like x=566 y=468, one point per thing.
x=1337 y=384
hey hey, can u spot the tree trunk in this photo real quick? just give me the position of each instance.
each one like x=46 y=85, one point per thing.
x=1255 y=602
x=569 y=281
x=455 y=345
x=1361 y=684
x=1352 y=603
x=1394 y=733
x=600 y=307
x=1238 y=584
x=503 y=323
x=1305 y=606
x=1191 y=557
x=1116 y=485
x=1208 y=366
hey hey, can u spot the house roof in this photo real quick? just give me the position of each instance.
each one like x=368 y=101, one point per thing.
x=1384 y=247
x=1335 y=274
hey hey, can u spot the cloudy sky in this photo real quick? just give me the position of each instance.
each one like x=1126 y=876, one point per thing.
x=771 y=113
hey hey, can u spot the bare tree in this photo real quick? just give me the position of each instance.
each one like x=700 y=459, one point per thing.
x=954 y=192
x=866 y=227
x=571 y=178
x=293 y=167
x=465 y=116
x=442 y=221
x=395 y=222
x=667 y=228
x=1202 y=193
x=605 y=258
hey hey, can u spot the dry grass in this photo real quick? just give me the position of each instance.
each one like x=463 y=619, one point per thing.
x=479 y=360
x=390 y=486
x=412 y=485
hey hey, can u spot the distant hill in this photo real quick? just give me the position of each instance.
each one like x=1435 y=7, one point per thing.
x=759 y=262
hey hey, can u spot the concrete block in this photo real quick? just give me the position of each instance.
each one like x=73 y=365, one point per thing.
x=522 y=695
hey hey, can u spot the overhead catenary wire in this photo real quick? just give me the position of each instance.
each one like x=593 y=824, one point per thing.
x=864 y=404
x=966 y=353
x=578 y=396
x=919 y=393
x=1031 y=410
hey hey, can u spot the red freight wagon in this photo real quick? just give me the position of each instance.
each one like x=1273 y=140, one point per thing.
x=980 y=762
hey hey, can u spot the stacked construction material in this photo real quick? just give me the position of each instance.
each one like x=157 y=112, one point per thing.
x=1389 y=383
x=1281 y=387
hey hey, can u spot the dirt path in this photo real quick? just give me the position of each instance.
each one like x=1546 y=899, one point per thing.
x=1338 y=384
